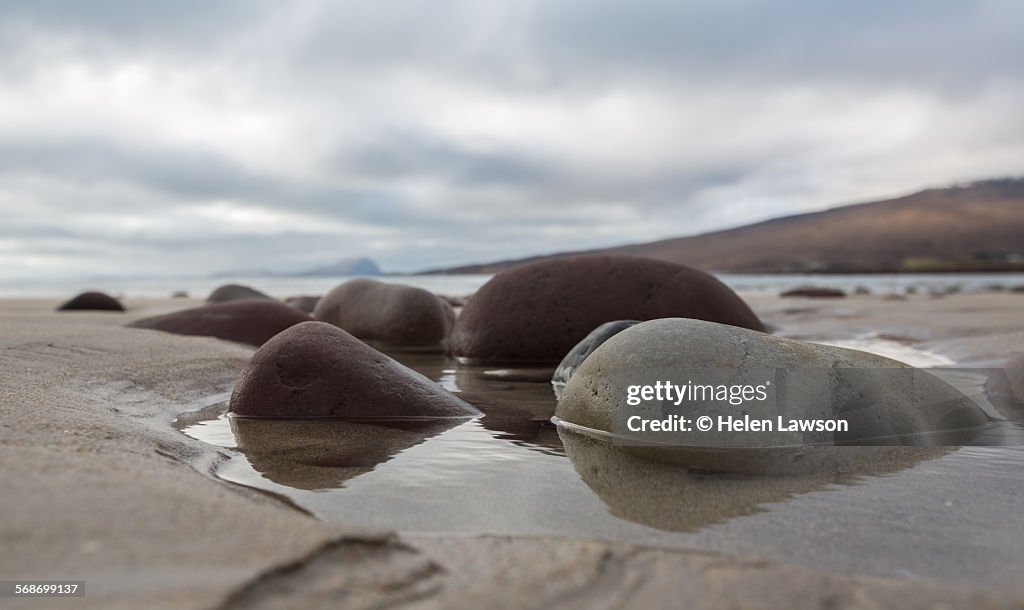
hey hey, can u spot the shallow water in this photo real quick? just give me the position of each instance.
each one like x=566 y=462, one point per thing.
x=950 y=514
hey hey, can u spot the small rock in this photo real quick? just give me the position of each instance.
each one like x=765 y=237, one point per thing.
x=536 y=313
x=861 y=290
x=245 y=321
x=235 y=292
x=389 y=314
x=303 y=303
x=315 y=369
x=179 y=294
x=584 y=348
x=814 y=292
x=92 y=301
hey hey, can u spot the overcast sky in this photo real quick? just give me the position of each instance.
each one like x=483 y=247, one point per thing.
x=180 y=136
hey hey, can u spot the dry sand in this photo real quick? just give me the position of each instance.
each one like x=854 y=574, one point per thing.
x=97 y=485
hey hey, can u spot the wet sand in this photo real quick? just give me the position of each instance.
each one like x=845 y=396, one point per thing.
x=99 y=485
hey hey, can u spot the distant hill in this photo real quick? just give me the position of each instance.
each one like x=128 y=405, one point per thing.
x=974 y=227
x=350 y=266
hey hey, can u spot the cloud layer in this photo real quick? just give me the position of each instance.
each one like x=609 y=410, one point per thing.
x=188 y=137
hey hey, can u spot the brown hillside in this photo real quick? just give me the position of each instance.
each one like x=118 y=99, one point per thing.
x=975 y=227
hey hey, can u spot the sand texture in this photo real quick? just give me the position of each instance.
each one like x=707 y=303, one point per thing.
x=97 y=485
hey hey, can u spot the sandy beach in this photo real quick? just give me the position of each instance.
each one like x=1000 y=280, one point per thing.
x=100 y=486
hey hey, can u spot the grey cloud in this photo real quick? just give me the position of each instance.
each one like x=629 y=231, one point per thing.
x=457 y=197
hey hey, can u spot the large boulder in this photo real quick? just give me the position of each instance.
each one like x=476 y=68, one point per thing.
x=387 y=314
x=236 y=292
x=315 y=370
x=246 y=321
x=92 y=301
x=884 y=402
x=538 y=312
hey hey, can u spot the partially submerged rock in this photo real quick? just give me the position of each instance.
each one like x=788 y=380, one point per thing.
x=236 y=292
x=92 y=301
x=885 y=402
x=246 y=321
x=315 y=369
x=584 y=348
x=538 y=312
x=815 y=292
x=388 y=314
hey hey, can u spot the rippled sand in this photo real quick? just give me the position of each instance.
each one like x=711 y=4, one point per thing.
x=99 y=485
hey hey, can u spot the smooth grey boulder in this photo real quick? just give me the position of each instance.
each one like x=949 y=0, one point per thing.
x=885 y=402
x=236 y=292
x=388 y=314
x=584 y=348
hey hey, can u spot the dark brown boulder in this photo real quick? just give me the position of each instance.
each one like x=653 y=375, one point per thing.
x=246 y=321
x=92 y=301
x=814 y=292
x=388 y=314
x=236 y=292
x=538 y=312
x=303 y=303
x=315 y=369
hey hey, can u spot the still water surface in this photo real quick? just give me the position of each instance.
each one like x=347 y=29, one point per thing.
x=950 y=514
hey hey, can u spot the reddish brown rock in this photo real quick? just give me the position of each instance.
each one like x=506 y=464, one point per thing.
x=389 y=314
x=236 y=292
x=538 y=312
x=315 y=369
x=304 y=303
x=92 y=301
x=245 y=321
x=814 y=292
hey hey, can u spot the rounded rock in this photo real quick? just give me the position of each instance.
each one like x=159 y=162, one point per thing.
x=814 y=292
x=584 y=348
x=536 y=313
x=315 y=370
x=387 y=314
x=92 y=301
x=246 y=321
x=885 y=402
x=236 y=292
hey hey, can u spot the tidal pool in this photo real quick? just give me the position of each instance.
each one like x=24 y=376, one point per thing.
x=952 y=514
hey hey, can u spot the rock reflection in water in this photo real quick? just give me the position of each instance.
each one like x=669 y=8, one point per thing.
x=672 y=498
x=324 y=454
x=517 y=403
